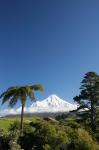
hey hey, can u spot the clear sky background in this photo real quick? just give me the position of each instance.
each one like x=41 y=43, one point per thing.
x=51 y=42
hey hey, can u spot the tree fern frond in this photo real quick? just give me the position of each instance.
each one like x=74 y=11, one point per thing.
x=13 y=101
x=32 y=96
x=7 y=95
x=37 y=87
x=2 y=94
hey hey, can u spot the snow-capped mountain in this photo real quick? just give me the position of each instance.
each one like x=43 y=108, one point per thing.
x=51 y=104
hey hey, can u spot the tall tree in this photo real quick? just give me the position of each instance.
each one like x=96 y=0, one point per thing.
x=89 y=96
x=13 y=94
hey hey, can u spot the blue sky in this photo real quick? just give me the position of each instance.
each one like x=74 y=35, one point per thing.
x=51 y=42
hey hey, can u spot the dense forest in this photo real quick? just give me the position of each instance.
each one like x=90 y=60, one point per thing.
x=66 y=132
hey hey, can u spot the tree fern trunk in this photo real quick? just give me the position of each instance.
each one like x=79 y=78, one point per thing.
x=22 y=113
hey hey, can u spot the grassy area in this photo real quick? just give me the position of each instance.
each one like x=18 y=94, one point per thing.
x=5 y=122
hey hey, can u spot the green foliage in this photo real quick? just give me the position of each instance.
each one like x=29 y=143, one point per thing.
x=13 y=94
x=89 y=96
x=72 y=124
x=46 y=147
x=67 y=116
x=56 y=136
x=81 y=140
x=4 y=123
x=14 y=126
x=8 y=140
x=47 y=135
x=14 y=146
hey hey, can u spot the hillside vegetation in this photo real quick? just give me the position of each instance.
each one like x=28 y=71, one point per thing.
x=46 y=134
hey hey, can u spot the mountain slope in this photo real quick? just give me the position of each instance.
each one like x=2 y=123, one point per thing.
x=51 y=104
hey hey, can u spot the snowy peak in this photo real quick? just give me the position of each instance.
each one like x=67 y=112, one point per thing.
x=52 y=104
x=53 y=100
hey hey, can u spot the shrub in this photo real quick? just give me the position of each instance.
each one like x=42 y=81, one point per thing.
x=14 y=146
x=46 y=135
x=81 y=140
x=14 y=126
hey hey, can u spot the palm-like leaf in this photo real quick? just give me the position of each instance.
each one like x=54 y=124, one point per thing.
x=8 y=94
x=13 y=101
x=13 y=94
x=37 y=87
